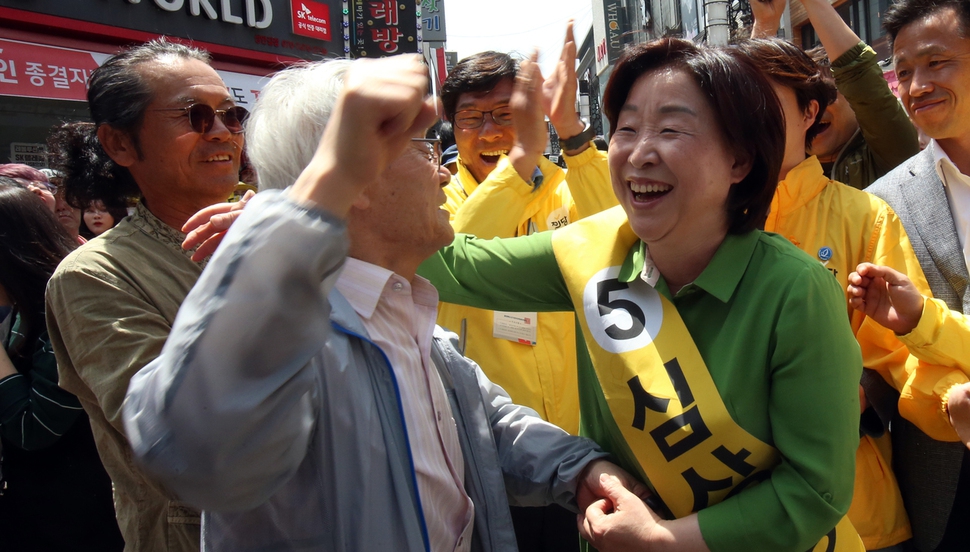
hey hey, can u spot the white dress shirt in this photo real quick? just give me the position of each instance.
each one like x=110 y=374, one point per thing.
x=957 y=186
x=400 y=319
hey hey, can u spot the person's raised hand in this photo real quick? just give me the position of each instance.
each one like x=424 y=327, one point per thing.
x=531 y=133
x=887 y=296
x=560 y=88
x=384 y=103
x=767 y=17
x=619 y=521
x=208 y=227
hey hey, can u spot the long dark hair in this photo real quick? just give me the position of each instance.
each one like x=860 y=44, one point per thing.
x=33 y=244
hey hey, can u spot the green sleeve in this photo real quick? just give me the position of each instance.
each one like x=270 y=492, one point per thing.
x=511 y=274
x=887 y=130
x=813 y=408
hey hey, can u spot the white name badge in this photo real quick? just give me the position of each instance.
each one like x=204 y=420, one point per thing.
x=519 y=327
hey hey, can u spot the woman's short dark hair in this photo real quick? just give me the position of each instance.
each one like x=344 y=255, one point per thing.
x=789 y=66
x=904 y=12
x=745 y=108
x=476 y=73
x=118 y=95
x=34 y=242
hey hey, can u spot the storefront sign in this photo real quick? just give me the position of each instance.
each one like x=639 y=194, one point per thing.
x=310 y=19
x=39 y=71
x=609 y=24
x=265 y=26
x=35 y=71
x=223 y=8
x=34 y=155
x=433 y=21
x=384 y=27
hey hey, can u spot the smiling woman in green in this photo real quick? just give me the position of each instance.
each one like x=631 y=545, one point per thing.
x=719 y=364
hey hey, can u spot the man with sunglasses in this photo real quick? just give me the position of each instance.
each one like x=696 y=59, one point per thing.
x=504 y=187
x=165 y=133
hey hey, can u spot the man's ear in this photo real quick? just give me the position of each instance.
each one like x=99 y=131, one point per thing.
x=118 y=145
x=809 y=115
x=362 y=203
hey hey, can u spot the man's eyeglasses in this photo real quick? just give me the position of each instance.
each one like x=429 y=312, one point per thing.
x=202 y=117
x=431 y=149
x=473 y=118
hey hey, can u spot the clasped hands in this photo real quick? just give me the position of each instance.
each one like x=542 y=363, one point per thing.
x=612 y=512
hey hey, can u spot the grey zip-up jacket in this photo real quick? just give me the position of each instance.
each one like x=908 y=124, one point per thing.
x=272 y=411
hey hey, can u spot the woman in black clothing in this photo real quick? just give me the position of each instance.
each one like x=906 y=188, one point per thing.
x=54 y=492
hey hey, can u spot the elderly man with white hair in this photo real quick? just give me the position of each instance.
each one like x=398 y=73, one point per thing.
x=305 y=398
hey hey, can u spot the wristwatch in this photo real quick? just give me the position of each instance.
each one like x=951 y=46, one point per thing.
x=577 y=141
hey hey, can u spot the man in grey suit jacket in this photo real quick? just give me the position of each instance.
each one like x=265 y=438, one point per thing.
x=931 y=194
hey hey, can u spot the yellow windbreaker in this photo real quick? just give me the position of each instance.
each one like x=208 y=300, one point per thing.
x=842 y=227
x=541 y=376
x=942 y=336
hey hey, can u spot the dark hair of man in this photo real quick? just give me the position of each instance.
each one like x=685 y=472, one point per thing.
x=89 y=174
x=904 y=12
x=34 y=242
x=476 y=73
x=446 y=133
x=745 y=108
x=787 y=65
x=821 y=58
x=118 y=95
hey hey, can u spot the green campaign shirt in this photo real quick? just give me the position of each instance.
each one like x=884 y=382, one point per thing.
x=770 y=324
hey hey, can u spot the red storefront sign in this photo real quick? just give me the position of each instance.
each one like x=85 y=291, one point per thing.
x=38 y=71
x=310 y=19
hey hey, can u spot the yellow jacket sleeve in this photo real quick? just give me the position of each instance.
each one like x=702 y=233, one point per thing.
x=921 y=384
x=588 y=178
x=502 y=204
x=941 y=337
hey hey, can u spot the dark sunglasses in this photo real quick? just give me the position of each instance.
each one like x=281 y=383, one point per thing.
x=202 y=117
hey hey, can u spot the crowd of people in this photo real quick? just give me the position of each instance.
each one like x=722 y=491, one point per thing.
x=736 y=324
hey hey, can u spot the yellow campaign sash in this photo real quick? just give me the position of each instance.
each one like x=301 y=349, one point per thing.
x=657 y=386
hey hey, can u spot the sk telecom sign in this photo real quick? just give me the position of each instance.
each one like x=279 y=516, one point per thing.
x=310 y=19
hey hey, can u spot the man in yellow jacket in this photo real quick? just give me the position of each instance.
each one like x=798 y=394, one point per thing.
x=504 y=187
